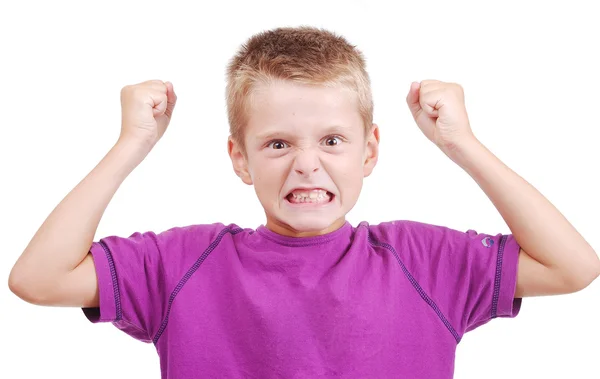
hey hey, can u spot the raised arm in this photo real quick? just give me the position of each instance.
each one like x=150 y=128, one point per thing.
x=56 y=268
x=554 y=258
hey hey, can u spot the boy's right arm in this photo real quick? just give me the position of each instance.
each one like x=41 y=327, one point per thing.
x=56 y=268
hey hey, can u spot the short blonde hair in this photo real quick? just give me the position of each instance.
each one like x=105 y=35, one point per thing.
x=303 y=54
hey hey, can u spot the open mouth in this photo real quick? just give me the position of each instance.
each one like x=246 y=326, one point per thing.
x=314 y=196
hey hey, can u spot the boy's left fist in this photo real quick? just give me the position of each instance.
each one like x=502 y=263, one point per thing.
x=439 y=110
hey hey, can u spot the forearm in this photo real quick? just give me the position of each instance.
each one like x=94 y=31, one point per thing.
x=539 y=228
x=63 y=240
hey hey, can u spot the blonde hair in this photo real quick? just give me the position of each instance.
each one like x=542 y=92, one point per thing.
x=305 y=55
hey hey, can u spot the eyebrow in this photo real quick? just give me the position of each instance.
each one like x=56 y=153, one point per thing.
x=273 y=134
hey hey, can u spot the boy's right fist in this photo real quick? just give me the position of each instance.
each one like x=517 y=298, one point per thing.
x=146 y=110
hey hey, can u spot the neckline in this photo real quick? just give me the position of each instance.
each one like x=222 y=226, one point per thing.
x=343 y=230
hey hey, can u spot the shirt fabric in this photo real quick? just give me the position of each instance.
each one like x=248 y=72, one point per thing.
x=391 y=300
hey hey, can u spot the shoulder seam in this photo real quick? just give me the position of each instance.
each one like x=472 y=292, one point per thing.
x=189 y=273
x=416 y=285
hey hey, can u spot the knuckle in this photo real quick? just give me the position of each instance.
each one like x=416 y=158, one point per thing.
x=456 y=86
x=137 y=91
x=158 y=84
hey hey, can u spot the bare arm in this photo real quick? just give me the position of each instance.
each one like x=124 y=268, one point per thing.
x=554 y=258
x=64 y=239
x=56 y=267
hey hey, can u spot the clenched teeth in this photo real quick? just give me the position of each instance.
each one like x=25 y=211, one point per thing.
x=313 y=196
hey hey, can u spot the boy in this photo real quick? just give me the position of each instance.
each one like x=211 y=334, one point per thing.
x=307 y=295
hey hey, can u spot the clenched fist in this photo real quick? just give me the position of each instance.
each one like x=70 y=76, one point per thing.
x=146 y=110
x=439 y=110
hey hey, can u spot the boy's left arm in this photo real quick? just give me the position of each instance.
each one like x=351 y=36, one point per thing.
x=554 y=258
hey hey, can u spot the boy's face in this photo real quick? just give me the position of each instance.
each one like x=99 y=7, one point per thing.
x=306 y=155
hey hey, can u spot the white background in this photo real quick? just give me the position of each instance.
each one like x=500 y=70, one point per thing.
x=530 y=74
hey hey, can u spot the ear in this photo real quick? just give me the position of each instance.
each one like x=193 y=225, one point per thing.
x=239 y=160
x=371 y=150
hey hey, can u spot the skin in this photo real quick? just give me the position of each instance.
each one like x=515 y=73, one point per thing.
x=56 y=268
x=553 y=259
x=305 y=136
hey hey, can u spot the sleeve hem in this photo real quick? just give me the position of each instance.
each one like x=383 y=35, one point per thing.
x=504 y=303
x=107 y=286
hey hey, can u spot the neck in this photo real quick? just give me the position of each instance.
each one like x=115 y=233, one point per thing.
x=286 y=230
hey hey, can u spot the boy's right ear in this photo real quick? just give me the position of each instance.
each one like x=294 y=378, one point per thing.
x=239 y=160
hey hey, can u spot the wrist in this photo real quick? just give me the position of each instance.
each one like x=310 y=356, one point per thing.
x=464 y=152
x=125 y=156
x=131 y=148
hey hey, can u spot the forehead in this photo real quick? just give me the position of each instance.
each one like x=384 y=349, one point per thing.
x=287 y=93
x=296 y=106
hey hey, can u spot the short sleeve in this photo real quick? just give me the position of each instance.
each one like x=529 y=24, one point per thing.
x=132 y=281
x=470 y=277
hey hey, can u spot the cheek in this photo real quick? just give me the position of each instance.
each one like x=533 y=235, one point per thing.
x=346 y=169
x=351 y=163
x=269 y=175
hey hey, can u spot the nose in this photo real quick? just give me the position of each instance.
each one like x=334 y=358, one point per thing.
x=306 y=162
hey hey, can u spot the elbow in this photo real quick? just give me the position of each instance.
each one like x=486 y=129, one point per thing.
x=20 y=286
x=581 y=272
x=27 y=288
x=585 y=277
x=594 y=270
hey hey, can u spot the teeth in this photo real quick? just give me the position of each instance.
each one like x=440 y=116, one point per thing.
x=309 y=196
x=314 y=194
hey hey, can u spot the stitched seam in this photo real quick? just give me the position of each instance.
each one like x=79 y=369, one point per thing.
x=417 y=287
x=497 y=280
x=115 y=282
x=189 y=274
x=134 y=326
x=298 y=244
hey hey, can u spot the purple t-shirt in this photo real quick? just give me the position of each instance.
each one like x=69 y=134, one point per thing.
x=391 y=300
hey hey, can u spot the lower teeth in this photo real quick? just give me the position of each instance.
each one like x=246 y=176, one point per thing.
x=320 y=199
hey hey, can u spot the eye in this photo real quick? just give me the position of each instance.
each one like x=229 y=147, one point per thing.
x=277 y=145
x=333 y=140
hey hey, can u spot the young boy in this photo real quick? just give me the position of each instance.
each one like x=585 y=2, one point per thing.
x=307 y=295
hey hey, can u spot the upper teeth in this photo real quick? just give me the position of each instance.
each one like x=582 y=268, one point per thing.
x=313 y=194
